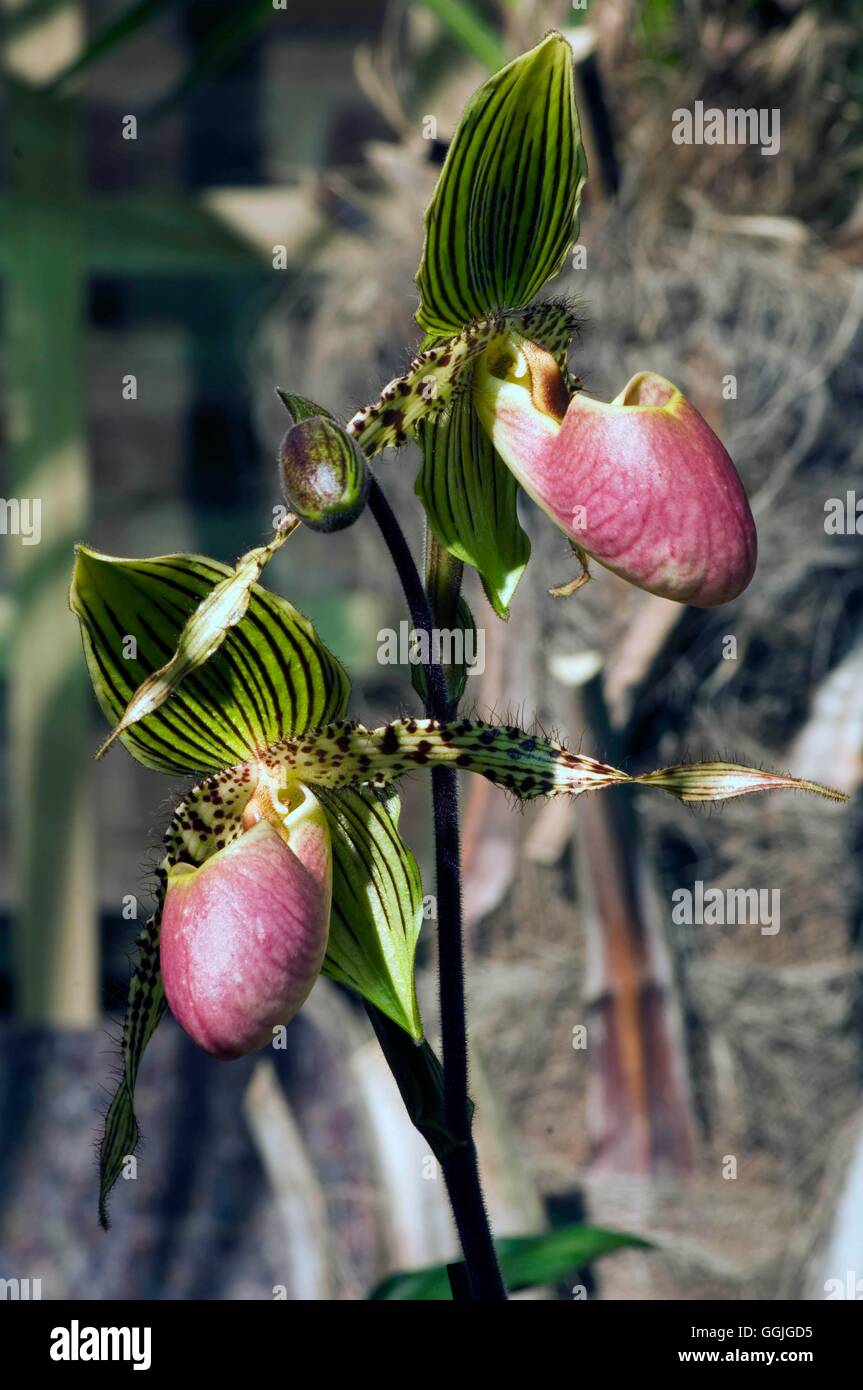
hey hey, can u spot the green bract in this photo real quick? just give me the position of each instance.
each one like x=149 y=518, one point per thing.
x=526 y=1262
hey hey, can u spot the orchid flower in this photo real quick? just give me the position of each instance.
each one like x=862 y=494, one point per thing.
x=642 y=483
x=285 y=860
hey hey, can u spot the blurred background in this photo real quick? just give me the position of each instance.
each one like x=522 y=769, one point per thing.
x=203 y=200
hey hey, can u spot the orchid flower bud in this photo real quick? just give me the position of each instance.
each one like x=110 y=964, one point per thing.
x=243 y=936
x=323 y=473
x=641 y=484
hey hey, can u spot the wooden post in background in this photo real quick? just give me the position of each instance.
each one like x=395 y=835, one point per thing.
x=56 y=948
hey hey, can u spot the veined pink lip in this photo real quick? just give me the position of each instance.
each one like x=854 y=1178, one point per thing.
x=244 y=936
x=642 y=483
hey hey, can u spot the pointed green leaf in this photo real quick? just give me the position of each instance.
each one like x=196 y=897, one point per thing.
x=525 y=1261
x=272 y=676
x=377 y=904
x=135 y=17
x=471 y=29
x=470 y=499
x=504 y=213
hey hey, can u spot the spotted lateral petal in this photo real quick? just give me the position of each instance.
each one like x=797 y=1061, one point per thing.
x=145 y=1007
x=345 y=754
x=435 y=378
x=524 y=764
x=270 y=676
x=441 y=374
x=504 y=213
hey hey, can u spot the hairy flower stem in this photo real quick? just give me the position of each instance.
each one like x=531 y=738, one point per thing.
x=461 y=1168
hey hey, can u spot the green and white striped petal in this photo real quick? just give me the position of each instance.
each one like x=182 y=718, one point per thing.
x=471 y=502
x=267 y=676
x=505 y=210
x=377 y=903
x=469 y=495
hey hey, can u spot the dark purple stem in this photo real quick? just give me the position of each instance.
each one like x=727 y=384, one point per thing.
x=461 y=1168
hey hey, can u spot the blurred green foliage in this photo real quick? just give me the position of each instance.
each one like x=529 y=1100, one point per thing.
x=526 y=1262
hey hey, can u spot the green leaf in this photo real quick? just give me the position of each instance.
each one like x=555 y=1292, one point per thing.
x=22 y=18
x=138 y=234
x=133 y=19
x=221 y=47
x=504 y=213
x=377 y=903
x=526 y=1262
x=142 y=234
x=470 y=499
x=272 y=676
x=473 y=32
